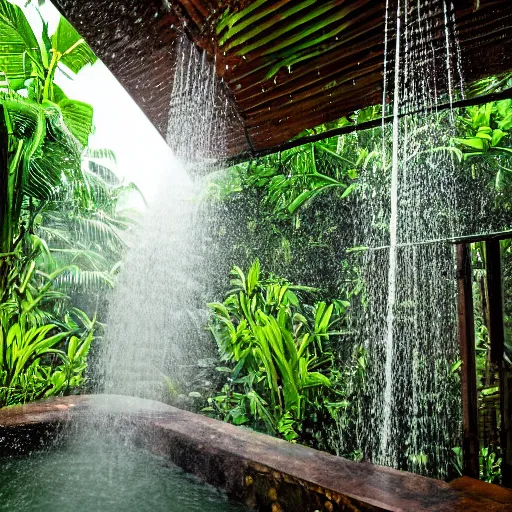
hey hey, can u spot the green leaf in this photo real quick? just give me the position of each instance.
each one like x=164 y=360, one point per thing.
x=324 y=323
x=304 y=196
x=456 y=366
x=78 y=118
x=292 y=298
x=58 y=379
x=74 y=51
x=21 y=56
x=84 y=347
x=484 y=135
x=239 y=418
x=506 y=122
x=253 y=277
x=349 y=190
x=58 y=94
x=47 y=43
x=473 y=142
x=490 y=391
x=72 y=346
x=315 y=379
x=319 y=312
x=497 y=135
x=47 y=170
x=223 y=369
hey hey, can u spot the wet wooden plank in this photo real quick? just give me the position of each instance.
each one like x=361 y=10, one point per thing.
x=497 y=340
x=135 y=39
x=470 y=444
x=495 y=307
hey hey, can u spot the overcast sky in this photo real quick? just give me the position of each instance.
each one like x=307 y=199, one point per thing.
x=142 y=154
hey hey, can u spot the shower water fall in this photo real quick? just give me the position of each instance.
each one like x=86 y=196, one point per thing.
x=155 y=332
x=410 y=413
x=156 y=325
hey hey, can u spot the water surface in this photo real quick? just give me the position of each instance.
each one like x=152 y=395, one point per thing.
x=103 y=474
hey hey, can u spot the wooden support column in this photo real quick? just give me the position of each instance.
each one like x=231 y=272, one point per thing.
x=495 y=306
x=470 y=446
x=497 y=339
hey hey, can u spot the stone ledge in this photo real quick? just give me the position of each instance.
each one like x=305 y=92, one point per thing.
x=267 y=473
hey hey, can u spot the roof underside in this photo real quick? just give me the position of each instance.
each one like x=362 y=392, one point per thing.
x=289 y=64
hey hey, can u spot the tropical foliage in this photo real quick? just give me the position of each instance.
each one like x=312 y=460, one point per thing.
x=292 y=211
x=60 y=225
x=283 y=378
x=288 y=361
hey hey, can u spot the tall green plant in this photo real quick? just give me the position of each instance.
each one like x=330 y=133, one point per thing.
x=279 y=349
x=33 y=363
x=60 y=221
x=46 y=130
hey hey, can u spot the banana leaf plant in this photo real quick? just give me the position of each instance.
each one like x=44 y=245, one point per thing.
x=46 y=131
x=59 y=218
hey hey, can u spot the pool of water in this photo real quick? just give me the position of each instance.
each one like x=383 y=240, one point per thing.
x=94 y=472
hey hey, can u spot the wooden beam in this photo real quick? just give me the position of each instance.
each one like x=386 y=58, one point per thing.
x=506 y=424
x=336 y=132
x=497 y=340
x=497 y=235
x=470 y=445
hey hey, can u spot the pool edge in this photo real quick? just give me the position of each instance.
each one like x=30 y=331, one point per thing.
x=265 y=472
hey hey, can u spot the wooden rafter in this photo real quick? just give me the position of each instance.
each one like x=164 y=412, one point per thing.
x=289 y=64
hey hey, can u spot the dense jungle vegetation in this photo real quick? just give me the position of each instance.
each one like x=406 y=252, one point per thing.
x=287 y=363
x=288 y=224
x=60 y=223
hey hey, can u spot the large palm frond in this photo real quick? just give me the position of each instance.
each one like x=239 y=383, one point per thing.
x=21 y=55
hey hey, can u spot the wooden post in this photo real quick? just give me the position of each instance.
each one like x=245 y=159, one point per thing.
x=497 y=339
x=470 y=445
x=495 y=305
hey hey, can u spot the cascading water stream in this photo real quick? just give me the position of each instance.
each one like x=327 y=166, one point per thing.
x=155 y=332
x=155 y=335
x=392 y=259
x=407 y=320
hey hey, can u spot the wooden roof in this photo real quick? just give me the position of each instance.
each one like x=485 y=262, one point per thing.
x=289 y=64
